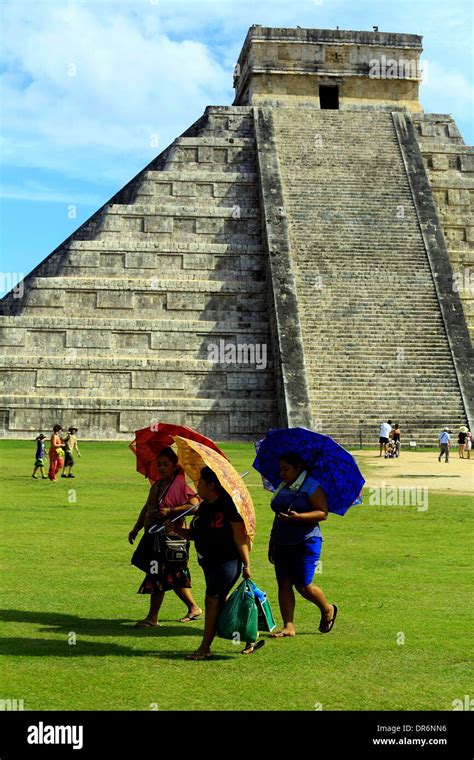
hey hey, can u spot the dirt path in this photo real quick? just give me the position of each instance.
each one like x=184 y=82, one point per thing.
x=419 y=468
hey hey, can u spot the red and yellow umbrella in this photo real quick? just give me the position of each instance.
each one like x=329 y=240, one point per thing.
x=193 y=456
x=151 y=440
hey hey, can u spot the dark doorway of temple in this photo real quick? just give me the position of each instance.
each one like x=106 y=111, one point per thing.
x=328 y=96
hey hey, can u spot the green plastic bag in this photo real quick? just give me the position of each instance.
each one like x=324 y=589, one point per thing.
x=239 y=616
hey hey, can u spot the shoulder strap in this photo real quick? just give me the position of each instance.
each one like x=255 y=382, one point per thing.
x=161 y=496
x=296 y=494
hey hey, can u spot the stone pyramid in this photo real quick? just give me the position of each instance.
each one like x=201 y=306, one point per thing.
x=297 y=258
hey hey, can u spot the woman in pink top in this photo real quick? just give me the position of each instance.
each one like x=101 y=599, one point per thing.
x=169 y=497
x=56 y=454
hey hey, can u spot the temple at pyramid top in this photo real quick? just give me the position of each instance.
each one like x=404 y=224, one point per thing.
x=336 y=68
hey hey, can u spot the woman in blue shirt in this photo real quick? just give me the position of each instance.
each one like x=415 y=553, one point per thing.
x=300 y=505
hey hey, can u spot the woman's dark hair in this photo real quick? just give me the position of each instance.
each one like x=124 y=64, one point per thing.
x=57 y=428
x=291 y=457
x=397 y=425
x=169 y=454
x=210 y=477
x=172 y=456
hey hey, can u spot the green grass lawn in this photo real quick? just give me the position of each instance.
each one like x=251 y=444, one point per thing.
x=395 y=573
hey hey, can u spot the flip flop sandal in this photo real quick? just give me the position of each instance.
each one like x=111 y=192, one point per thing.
x=196 y=656
x=328 y=623
x=252 y=647
x=146 y=624
x=190 y=618
x=281 y=635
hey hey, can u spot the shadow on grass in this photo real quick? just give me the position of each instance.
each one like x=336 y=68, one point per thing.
x=22 y=647
x=57 y=622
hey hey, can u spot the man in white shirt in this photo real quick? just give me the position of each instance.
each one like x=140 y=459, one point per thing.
x=384 y=435
x=444 y=443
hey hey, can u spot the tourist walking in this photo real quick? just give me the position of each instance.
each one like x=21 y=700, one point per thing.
x=444 y=443
x=168 y=498
x=396 y=437
x=56 y=454
x=462 y=440
x=295 y=545
x=39 y=463
x=221 y=544
x=70 y=444
x=384 y=435
x=468 y=446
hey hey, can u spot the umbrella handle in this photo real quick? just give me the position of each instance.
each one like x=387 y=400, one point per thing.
x=162 y=527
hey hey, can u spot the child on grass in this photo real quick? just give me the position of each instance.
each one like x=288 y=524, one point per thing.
x=39 y=464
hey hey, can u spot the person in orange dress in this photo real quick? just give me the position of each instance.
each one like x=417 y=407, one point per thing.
x=56 y=454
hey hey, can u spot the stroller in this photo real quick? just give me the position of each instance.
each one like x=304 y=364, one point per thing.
x=392 y=450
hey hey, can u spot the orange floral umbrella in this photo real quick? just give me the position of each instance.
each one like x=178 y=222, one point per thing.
x=193 y=456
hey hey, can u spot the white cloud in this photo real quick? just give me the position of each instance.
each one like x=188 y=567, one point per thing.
x=81 y=85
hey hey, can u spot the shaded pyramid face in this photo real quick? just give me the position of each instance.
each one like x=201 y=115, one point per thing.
x=157 y=307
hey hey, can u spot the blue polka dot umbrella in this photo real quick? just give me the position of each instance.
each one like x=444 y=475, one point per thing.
x=326 y=460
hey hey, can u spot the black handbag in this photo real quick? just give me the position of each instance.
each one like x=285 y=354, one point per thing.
x=176 y=549
x=147 y=554
x=154 y=547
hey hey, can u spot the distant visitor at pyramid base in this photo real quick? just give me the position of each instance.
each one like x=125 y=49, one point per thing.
x=297 y=258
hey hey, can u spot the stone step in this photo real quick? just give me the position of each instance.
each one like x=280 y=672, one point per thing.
x=344 y=228
x=156 y=284
x=181 y=209
x=164 y=246
x=247 y=179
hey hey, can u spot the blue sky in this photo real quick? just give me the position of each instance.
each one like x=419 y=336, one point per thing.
x=92 y=91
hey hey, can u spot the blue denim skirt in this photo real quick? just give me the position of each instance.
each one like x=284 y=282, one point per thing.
x=297 y=562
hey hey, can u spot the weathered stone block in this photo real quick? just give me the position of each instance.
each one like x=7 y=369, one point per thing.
x=198 y=261
x=46 y=340
x=14 y=381
x=115 y=299
x=158 y=224
x=210 y=226
x=12 y=336
x=466 y=163
x=163 y=188
x=110 y=382
x=155 y=380
x=140 y=260
x=204 y=155
x=49 y=299
x=183 y=225
x=87 y=339
x=439 y=162
x=62 y=378
x=204 y=189
x=111 y=261
x=184 y=189
x=83 y=259
x=184 y=301
x=139 y=341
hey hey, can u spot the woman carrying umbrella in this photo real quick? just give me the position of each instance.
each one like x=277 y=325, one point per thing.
x=168 y=498
x=295 y=542
x=221 y=541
